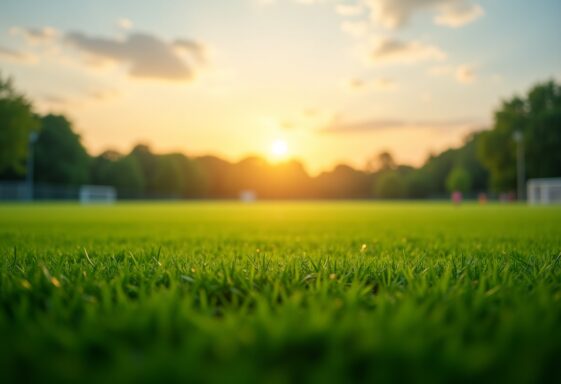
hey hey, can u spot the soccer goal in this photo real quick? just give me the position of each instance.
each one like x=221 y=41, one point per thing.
x=95 y=194
x=544 y=191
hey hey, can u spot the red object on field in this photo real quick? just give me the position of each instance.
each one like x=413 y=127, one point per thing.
x=457 y=197
x=482 y=198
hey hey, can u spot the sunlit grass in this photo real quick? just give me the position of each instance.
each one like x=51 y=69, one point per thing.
x=280 y=292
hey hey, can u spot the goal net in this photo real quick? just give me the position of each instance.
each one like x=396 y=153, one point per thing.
x=93 y=194
x=544 y=191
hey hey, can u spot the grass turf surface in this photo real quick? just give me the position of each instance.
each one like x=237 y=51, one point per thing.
x=280 y=292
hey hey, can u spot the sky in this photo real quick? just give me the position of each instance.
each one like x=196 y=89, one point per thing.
x=322 y=81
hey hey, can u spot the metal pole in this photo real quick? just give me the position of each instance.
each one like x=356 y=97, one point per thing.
x=520 y=166
x=30 y=166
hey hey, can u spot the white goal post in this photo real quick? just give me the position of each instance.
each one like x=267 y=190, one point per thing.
x=95 y=194
x=544 y=191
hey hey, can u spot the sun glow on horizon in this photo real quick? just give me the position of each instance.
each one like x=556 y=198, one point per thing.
x=279 y=149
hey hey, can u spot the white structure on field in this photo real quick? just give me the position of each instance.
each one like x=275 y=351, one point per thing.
x=248 y=196
x=544 y=191
x=90 y=194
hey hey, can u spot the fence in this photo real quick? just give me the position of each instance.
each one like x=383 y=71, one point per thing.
x=20 y=191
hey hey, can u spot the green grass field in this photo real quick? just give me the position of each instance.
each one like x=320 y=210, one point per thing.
x=280 y=292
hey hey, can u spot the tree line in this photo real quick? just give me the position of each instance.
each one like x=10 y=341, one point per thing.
x=486 y=162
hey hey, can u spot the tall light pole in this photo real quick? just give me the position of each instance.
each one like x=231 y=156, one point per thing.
x=30 y=165
x=520 y=166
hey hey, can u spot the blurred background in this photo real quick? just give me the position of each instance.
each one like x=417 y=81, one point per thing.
x=280 y=99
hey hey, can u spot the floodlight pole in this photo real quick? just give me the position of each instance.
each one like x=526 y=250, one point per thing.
x=30 y=165
x=520 y=166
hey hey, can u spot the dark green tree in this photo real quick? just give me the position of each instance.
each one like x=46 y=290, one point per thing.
x=149 y=165
x=17 y=122
x=343 y=182
x=458 y=180
x=170 y=177
x=122 y=172
x=60 y=157
x=390 y=184
x=537 y=116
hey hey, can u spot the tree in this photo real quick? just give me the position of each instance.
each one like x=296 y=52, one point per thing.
x=390 y=184
x=17 y=122
x=343 y=182
x=169 y=175
x=431 y=178
x=458 y=180
x=149 y=166
x=60 y=157
x=538 y=118
x=384 y=161
x=216 y=177
x=122 y=172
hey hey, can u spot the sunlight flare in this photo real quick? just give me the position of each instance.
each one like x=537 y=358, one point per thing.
x=279 y=148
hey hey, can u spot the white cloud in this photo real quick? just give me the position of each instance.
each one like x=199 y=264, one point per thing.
x=390 y=50
x=15 y=55
x=145 y=55
x=396 y=13
x=383 y=84
x=35 y=36
x=125 y=24
x=458 y=14
x=339 y=127
x=463 y=74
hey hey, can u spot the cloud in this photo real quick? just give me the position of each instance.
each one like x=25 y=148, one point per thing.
x=396 y=13
x=464 y=74
x=378 y=84
x=54 y=99
x=35 y=36
x=362 y=126
x=125 y=24
x=338 y=127
x=14 y=55
x=390 y=50
x=101 y=94
x=458 y=14
x=145 y=55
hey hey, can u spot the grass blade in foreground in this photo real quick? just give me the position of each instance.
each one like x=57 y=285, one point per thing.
x=280 y=292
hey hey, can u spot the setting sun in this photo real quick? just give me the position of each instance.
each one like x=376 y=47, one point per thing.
x=279 y=148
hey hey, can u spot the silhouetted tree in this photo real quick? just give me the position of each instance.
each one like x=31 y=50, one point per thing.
x=288 y=180
x=343 y=182
x=538 y=118
x=149 y=165
x=122 y=172
x=430 y=179
x=458 y=180
x=216 y=177
x=59 y=154
x=390 y=184
x=17 y=121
